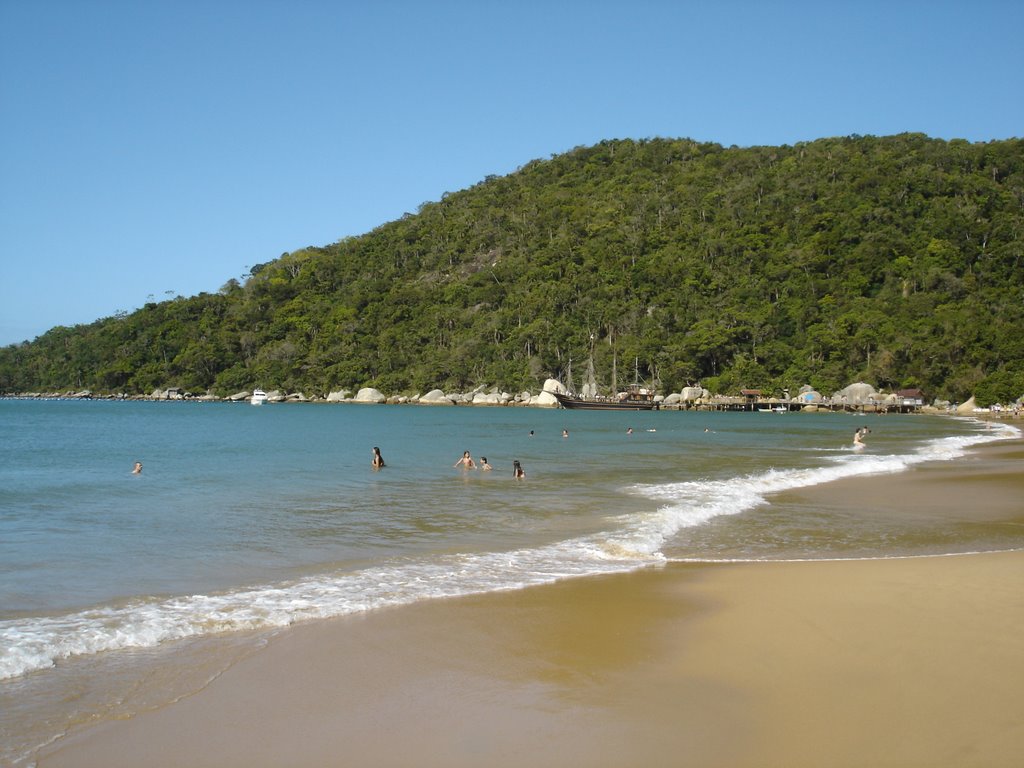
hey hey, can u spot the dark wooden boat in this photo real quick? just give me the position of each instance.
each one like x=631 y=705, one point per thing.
x=634 y=399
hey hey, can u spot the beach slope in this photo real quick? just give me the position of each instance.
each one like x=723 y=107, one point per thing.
x=902 y=662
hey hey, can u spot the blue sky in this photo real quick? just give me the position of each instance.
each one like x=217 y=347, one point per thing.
x=159 y=148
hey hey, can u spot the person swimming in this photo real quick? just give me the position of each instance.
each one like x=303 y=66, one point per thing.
x=517 y=470
x=137 y=469
x=484 y=465
x=466 y=461
x=378 y=460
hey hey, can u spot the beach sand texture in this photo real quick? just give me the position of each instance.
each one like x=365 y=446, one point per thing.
x=910 y=662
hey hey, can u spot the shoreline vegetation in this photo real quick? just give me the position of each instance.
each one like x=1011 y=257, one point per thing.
x=834 y=663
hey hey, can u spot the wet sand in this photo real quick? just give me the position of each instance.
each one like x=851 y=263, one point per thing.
x=912 y=662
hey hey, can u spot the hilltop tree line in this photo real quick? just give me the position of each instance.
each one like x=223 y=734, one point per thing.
x=891 y=260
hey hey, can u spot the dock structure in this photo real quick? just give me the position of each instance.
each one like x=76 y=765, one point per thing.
x=777 y=405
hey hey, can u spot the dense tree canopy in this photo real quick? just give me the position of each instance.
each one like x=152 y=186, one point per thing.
x=896 y=260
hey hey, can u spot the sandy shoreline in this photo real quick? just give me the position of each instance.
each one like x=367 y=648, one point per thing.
x=847 y=663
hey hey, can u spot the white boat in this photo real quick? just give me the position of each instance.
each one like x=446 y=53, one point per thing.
x=259 y=397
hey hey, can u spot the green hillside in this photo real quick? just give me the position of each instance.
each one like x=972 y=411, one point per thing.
x=898 y=261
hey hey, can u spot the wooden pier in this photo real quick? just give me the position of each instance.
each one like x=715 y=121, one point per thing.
x=772 y=405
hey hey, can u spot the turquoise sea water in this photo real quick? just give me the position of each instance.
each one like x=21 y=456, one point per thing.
x=245 y=519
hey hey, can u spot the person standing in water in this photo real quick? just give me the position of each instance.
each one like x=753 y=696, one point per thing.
x=466 y=461
x=378 y=460
x=137 y=469
x=517 y=470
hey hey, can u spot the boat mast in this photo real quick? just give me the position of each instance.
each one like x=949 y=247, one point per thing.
x=589 y=388
x=615 y=372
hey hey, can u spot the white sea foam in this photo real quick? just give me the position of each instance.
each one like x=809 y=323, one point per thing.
x=636 y=540
x=692 y=503
x=39 y=643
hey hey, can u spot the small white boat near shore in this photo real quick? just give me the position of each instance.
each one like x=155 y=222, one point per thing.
x=259 y=397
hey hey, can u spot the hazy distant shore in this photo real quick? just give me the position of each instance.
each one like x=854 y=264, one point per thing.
x=832 y=663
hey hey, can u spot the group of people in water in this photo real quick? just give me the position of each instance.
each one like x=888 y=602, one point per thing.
x=466 y=462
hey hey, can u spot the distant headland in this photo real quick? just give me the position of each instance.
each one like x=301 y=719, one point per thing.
x=893 y=260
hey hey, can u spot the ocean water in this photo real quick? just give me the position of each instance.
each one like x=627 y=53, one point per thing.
x=120 y=591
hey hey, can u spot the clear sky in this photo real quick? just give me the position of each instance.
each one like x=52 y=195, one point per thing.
x=152 y=148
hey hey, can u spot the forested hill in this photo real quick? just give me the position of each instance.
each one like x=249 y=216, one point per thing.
x=898 y=261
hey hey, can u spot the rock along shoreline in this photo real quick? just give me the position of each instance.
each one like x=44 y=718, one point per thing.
x=691 y=398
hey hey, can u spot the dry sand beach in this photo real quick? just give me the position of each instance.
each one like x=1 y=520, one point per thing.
x=903 y=662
